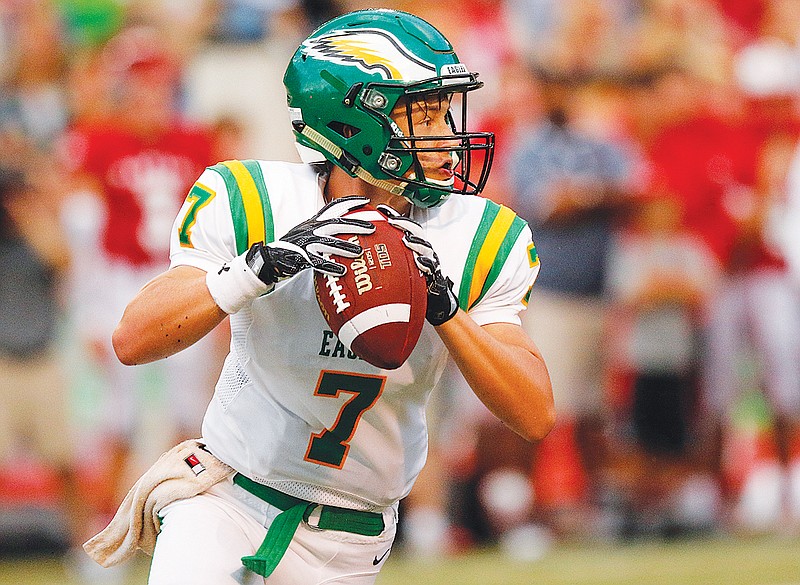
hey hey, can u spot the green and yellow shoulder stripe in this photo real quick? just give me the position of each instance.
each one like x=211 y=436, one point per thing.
x=248 y=199
x=494 y=239
x=249 y=202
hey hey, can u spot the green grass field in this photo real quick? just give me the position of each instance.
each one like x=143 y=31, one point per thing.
x=756 y=561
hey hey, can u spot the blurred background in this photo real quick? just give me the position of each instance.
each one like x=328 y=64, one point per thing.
x=652 y=146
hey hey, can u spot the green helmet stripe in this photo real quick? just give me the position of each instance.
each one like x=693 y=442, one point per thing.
x=498 y=230
x=249 y=202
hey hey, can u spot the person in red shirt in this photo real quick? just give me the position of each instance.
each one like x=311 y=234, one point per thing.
x=141 y=161
x=130 y=169
x=715 y=161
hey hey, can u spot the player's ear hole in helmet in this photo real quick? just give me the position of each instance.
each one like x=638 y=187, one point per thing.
x=349 y=80
x=344 y=130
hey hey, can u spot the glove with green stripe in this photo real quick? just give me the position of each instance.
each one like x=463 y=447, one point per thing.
x=442 y=301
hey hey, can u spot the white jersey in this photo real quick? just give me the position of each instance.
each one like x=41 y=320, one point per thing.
x=293 y=408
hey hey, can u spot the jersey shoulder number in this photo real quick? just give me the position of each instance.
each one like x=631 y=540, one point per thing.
x=248 y=199
x=199 y=196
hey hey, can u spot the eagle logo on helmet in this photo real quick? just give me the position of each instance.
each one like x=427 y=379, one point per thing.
x=372 y=51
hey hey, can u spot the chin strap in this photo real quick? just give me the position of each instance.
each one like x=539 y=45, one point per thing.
x=356 y=169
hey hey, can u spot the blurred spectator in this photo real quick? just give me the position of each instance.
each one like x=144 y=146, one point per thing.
x=764 y=279
x=715 y=158
x=757 y=310
x=576 y=39
x=690 y=34
x=34 y=399
x=569 y=186
x=659 y=280
x=131 y=165
x=706 y=155
x=33 y=103
x=521 y=93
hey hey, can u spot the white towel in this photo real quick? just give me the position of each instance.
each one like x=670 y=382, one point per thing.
x=182 y=472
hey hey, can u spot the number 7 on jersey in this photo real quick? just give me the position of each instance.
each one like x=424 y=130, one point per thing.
x=198 y=197
x=330 y=447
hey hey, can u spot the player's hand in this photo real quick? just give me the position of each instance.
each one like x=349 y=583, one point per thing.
x=442 y=301
x=307 y=245
x=310 y=244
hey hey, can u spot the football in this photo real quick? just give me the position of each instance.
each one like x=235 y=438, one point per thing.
x=377 y=308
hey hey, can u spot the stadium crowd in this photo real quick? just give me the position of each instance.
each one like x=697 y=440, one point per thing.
x=652 y=145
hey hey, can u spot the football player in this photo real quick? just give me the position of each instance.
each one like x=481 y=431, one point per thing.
x=323 y=445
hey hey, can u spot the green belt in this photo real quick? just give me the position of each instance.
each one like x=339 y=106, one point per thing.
x=295 y=510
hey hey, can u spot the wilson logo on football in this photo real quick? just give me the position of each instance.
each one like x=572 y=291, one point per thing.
x=360 y=267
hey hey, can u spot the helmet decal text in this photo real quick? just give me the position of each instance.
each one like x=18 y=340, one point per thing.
x=372 y=51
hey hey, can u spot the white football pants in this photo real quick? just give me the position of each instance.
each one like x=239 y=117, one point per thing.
x=203 y=539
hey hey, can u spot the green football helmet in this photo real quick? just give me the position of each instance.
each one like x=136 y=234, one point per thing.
x=346 y=78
